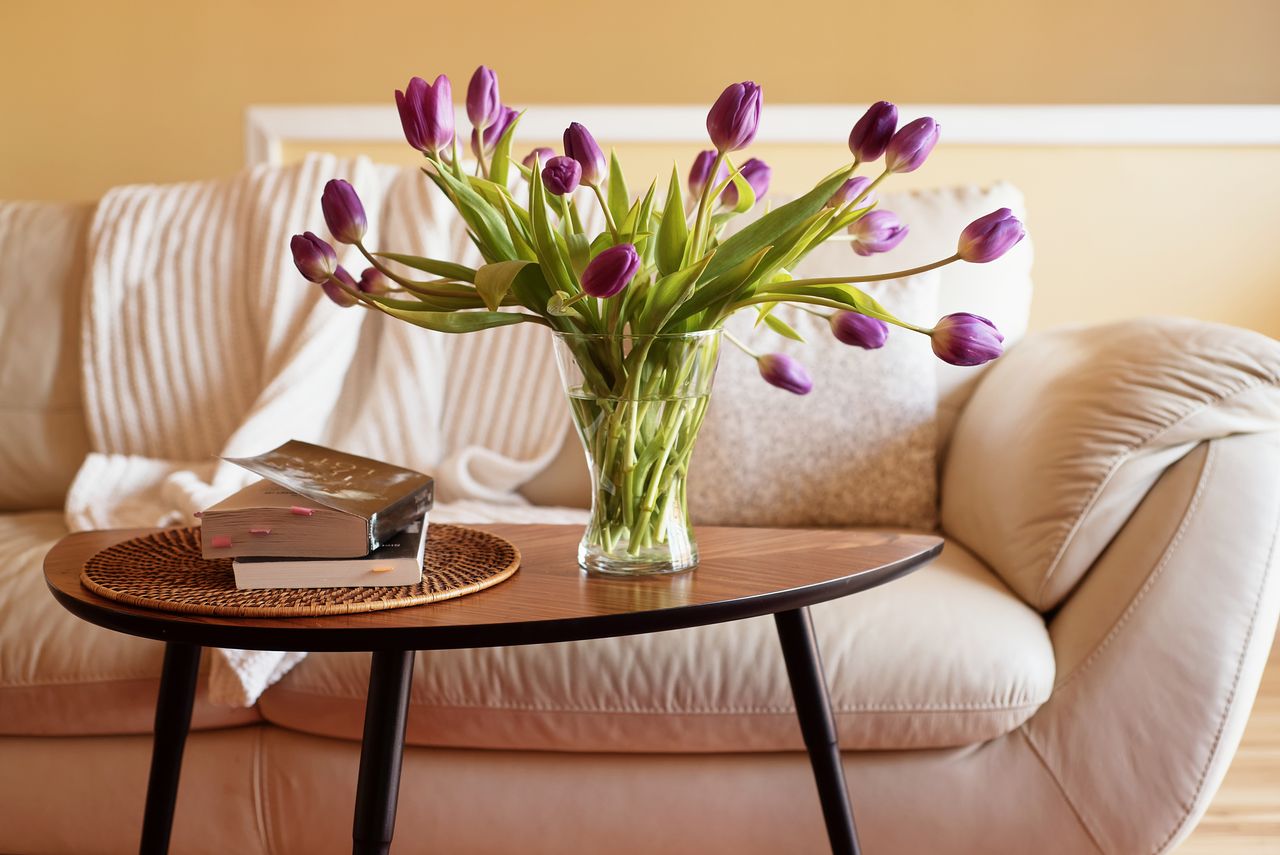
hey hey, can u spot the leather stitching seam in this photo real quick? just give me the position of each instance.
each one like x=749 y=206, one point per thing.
x=1152 y=577
x=1048 y=770
x=1231 y=695
x=1082 y=510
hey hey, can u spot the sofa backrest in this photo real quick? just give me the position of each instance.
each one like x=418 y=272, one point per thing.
x=42 y=429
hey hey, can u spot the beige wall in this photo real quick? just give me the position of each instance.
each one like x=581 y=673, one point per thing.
x=96 y=94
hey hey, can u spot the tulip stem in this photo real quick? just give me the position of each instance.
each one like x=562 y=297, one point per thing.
x=737 y=343
x=695 y=248
x=422 y=288
x=608 y=216
x=823 y=301
x=875 y=277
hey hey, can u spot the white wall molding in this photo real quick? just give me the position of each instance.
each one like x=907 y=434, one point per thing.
x=268 y=127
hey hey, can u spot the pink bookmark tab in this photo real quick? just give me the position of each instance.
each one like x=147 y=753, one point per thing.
x=198 y=514
x=220 y=541
x=301 y=512
x=260 y=532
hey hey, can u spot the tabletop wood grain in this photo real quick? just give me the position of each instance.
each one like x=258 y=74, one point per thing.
x=744 y=572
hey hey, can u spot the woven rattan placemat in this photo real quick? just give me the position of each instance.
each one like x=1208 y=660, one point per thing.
x=165 y=571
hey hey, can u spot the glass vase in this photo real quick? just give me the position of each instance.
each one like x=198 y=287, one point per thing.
x=637 y=404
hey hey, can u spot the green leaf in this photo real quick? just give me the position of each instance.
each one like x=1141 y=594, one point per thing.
x=781 y=327
x=553 y=261
x=500 y=164
x=746 y=193
x=669 y=292
x=773 y=225
x=493 y=281
x=579 y=251
x=481 y=217
x=673 y=231
x=640 y=231
x=856 y=299
x=723 y=289
x=459 y=322
x=447 y=269
x=619 y=198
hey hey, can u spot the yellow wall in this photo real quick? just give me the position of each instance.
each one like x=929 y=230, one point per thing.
x=96 y=94
x=100 y=93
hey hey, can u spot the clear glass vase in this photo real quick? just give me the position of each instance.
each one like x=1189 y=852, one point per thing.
x=637 y=403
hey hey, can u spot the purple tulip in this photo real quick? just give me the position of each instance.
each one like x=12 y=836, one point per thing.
x=426 y=113
x=483 y=102
x=343 y=212
x=483 y=142
x=850 y=190
x=313 y=256
x=877 y=231
x=561 y=175
x=871 y=134
x=859 y=330
x=700 y=172
x=966 y=339
x=373 y=282
x=987 y=238
x=610 y=271
x=783 y=371
x=335 y=293
x=757 y=173
x=734 y=118
x=911 y=145
x=540 y=154
x=582 y=147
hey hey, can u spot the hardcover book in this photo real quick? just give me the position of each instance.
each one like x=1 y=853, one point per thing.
x=315 y=502
x=390 y=565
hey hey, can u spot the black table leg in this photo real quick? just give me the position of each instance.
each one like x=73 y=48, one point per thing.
x=818 y=725
x=173 y=720
x=385 y=714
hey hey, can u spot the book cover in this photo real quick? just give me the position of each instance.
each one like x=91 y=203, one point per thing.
x=315 y=502
x=396 y=563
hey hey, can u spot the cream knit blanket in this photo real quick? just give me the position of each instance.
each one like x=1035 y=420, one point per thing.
x=201 y=339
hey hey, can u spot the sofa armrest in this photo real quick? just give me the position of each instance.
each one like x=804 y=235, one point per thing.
x=1161 y=648
x=1068 y=431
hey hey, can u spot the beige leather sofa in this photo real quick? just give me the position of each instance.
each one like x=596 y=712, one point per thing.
x=1071 y=676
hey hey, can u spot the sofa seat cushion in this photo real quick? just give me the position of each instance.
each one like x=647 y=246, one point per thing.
x=61 y=676
x=946 y=656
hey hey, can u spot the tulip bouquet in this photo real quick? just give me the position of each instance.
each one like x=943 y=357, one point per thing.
x=638 y=309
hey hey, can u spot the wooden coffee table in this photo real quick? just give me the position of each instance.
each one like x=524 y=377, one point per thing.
x=744 y=573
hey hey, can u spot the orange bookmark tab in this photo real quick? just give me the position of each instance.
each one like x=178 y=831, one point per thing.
x=381 y=570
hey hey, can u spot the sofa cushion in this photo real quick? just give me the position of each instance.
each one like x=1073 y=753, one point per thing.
x=946 y=656
x=860 y=449
x=41 y=417
x=1068 y=432
x=61 y=676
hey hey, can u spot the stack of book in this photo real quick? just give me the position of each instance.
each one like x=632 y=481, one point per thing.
x=321 y=519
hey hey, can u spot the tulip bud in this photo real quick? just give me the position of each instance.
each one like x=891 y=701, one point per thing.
x=483 y=142
x=540 y=154
x=561 y=175
x=877 y=231
x=335 y=293
x=313 y=256
x=757 y=173
x=966 y=339
x=859 y=330
x=987 y=238
x=871 y=134
x=582 y=147
x=911 y=145
x=611 y=270
x=700 y=172
x=343 y=212
x=783 y=371
x=734 y=118
x=426 y=113
x=483 y=102
x=850 y=190
x=373 y=282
